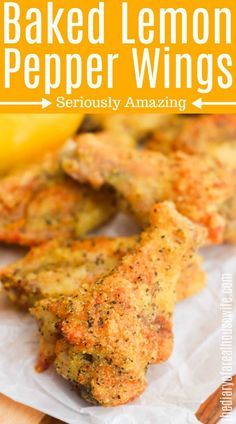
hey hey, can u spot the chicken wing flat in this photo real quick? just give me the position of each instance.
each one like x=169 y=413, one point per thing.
x=104 y=337
x=62 y=266
x=40 y=202
x=199 y=187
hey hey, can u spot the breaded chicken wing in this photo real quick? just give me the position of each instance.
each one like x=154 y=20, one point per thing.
x=211 y=135
x=62 y=266
x=206 y=134
x=200 y=134
x=215 y=136
x=40 y=202
x=103 y=338
x=198 y=187
x=131 y=128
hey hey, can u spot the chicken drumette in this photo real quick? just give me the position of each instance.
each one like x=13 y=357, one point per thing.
x=103 y=338
x=63 y=266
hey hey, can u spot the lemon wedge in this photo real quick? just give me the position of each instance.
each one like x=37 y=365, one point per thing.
x=24 y=138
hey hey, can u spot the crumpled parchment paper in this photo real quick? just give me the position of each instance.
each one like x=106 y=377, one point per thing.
x=175 y=389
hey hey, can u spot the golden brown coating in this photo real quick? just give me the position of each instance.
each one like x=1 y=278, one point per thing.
x=205 y=134
x=229 y=212
x=200 y=134
x=110 y=135
x=62 y=266
x=192 y=279
x=163 y=139
x=40 y=202
x=214 y=135
x=130 y=127
x=104 y=337
x=199 y=187
x=211 y=135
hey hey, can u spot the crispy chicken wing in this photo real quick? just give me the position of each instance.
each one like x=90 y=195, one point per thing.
x=130 y=127
x=163 y=139
x=103 y=338
x=200 y=134
x=62 y=266
x=206 y=134
x=40 y=202
x=199 y=187
x=211 y=135
x=214 y=135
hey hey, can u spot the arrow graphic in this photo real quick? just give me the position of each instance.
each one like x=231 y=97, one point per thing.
x=44 y=103
x=199 y=103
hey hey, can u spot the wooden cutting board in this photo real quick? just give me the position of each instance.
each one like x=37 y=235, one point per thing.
x=14 y=413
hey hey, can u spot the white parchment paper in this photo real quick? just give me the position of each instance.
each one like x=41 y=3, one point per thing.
x=175 y=389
